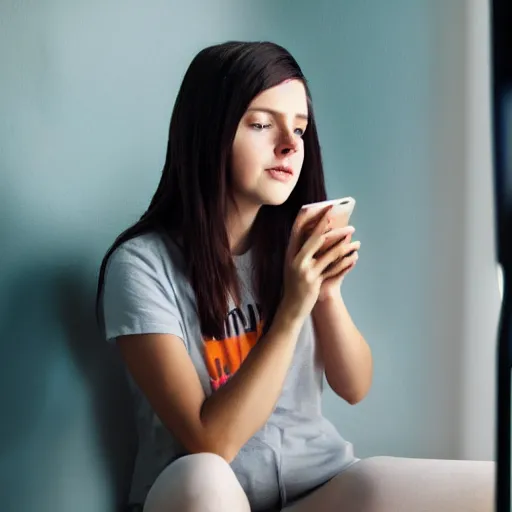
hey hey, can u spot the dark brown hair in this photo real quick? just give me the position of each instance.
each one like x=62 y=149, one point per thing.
x=191 y=198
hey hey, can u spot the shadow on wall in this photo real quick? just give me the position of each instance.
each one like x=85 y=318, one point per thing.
x=104 y=376
x=69 y=428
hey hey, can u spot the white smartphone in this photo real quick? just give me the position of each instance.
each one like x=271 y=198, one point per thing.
x=340 y=215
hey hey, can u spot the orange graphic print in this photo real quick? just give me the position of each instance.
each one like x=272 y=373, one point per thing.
x=224 y=357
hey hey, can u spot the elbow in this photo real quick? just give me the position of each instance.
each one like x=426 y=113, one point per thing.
x=354 y=398
x=212 y=437
x=228 y=455
x=218 y=446
x=226 y=452
x=354 y=389
x=351 y=395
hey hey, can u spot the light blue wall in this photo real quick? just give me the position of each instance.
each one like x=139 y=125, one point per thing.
x=86 y=92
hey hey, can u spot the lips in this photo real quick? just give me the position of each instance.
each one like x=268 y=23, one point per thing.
x=280 y=173
x=282 y=169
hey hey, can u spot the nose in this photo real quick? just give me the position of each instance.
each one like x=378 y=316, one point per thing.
x=287 y=145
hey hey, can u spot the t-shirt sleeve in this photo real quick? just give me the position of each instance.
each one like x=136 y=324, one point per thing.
x=138 y=297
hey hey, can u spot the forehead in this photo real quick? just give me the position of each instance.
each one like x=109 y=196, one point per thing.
x=288 y=97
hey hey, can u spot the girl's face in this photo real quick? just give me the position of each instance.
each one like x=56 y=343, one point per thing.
x=268 y=150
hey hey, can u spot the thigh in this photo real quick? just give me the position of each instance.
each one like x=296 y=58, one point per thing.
x=392 y=484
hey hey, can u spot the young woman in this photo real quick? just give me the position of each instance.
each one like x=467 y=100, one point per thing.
x=228 y=316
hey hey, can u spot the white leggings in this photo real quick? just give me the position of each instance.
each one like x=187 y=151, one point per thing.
x=206 y=483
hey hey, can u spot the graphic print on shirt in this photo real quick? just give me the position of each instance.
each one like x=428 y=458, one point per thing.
x=224 y=357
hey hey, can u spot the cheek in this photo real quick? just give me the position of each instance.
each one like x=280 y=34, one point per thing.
x=299 y=158
x=244 y=162
x=247 y=151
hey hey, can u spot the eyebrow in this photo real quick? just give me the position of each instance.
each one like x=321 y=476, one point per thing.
x=276 y=113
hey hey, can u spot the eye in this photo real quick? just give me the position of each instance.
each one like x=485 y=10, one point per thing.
x=259 y=126
x=299 y=132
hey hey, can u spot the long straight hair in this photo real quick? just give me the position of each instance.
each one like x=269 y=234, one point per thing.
x=192 y=196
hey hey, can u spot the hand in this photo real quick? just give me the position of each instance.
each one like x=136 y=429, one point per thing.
x=304 y=268
x=347 y=254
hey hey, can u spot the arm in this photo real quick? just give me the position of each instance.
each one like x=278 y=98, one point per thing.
x=224 y=422
x=346 y=355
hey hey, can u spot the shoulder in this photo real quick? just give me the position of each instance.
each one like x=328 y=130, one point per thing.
x=153 y=251
x=150 y=245
x=139 y=293
x=146 y=265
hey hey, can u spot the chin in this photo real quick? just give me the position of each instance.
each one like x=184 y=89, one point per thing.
x=274 y=197
x=266 y=197
x=275 y=201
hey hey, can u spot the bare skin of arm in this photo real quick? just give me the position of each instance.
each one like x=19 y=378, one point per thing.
x=222 y=423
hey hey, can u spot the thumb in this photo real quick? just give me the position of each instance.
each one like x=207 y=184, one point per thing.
x=295 y=242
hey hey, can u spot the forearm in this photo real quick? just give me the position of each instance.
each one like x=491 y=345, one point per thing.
x=241 y=407
x=346 y=355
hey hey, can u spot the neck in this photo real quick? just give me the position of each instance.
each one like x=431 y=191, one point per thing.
x=239 y=223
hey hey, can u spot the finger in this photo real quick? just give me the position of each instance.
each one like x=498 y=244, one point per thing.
x=338 y=266
x=341 y=267
x=318 y=243
x=304 y=216
x=340 y=235
x=311 y=220
x=307 y=215
x=347 y=270
x=345 y=233
x=350 y=248
x=338 y=251
x=317 y=238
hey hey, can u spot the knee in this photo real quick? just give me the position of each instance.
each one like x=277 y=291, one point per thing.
x=204 y=471
x=199 y=482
